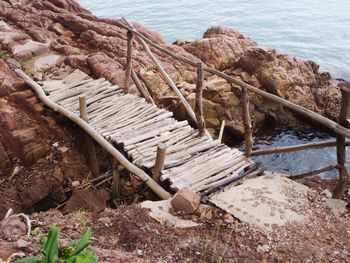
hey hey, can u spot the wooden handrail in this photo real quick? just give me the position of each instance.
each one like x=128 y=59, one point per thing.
x=166 y=77
x=335 y=127
x=298 y=147
x=155 y=187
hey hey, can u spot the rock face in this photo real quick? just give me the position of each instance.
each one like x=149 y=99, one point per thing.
x=52 y=37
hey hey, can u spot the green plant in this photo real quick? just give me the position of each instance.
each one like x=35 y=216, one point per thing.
x=74 y=252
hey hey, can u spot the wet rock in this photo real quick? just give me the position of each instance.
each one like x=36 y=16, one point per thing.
x=185 y=201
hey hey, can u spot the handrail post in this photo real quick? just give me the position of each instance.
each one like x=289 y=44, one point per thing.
x=90 y=147
x=115 y=180
x=199 y=104
x=341 y=153
x=130 y=36
x=247 y=123
x=160 y=159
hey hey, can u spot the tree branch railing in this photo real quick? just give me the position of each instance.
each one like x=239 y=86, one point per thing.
x=197 y=116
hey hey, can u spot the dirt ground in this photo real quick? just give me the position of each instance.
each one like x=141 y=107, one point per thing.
x=129 y=234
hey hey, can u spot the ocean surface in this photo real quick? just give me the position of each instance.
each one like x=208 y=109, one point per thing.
x=311 y=29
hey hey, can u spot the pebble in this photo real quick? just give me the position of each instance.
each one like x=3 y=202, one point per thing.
x=22 y=244
x=104 y=220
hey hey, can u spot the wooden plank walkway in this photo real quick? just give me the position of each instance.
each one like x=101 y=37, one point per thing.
x=127 y=120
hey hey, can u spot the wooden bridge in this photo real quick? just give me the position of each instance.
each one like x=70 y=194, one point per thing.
x=193 y=159
x=199 y=163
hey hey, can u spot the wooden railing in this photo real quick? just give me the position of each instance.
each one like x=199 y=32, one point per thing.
x=341 y=129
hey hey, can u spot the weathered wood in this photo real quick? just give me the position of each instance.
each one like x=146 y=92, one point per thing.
x=341 y=153
x=90 y=147
x=128 y=68
x=96 y=136
x=160 y=159
x=115 y=180
x=314 y=172
x=335 y=127
x=166 y=77
x=247 y=123
x=144 y=92
x=299 y=147
x=221 y=133
x=199 y=104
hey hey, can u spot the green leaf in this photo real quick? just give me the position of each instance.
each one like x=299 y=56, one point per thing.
x=28 y=260
x=51 y=246
x=83 y=242
x=86 y=257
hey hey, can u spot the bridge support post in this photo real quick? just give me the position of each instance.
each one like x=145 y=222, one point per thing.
x=341 y=143
x=247 y=123
x=160 y=159
x=90 y=147
x=130 y=36
x=199 y=104
x=115 y=179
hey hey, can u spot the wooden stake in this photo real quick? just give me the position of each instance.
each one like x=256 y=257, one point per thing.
x=199 y=104
x=115 y=180
x=341 y=153
x=248 y=130
x=160 y=191
x=221 y=133
x=144 y=92
x=88 y=141
x=160 y=160
x=128 y=68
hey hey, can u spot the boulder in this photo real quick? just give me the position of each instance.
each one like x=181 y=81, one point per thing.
x=185 y=201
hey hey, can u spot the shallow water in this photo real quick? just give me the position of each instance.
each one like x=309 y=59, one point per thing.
x=312 y=29
x=296 y=162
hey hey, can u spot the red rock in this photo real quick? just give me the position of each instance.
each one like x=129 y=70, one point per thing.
x=185 y=201
x=6 y=249
x=91 y=199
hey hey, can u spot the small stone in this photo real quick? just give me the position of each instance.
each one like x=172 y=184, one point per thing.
x=327 y=193
x=263 y=248
x=139 y=253
x=75 y=183
x=228 y=219
x=63 y=149
x=22 y=244
x=104 y=220
x=185 y=201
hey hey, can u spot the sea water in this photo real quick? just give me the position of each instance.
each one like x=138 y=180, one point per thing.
x=311 y=29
